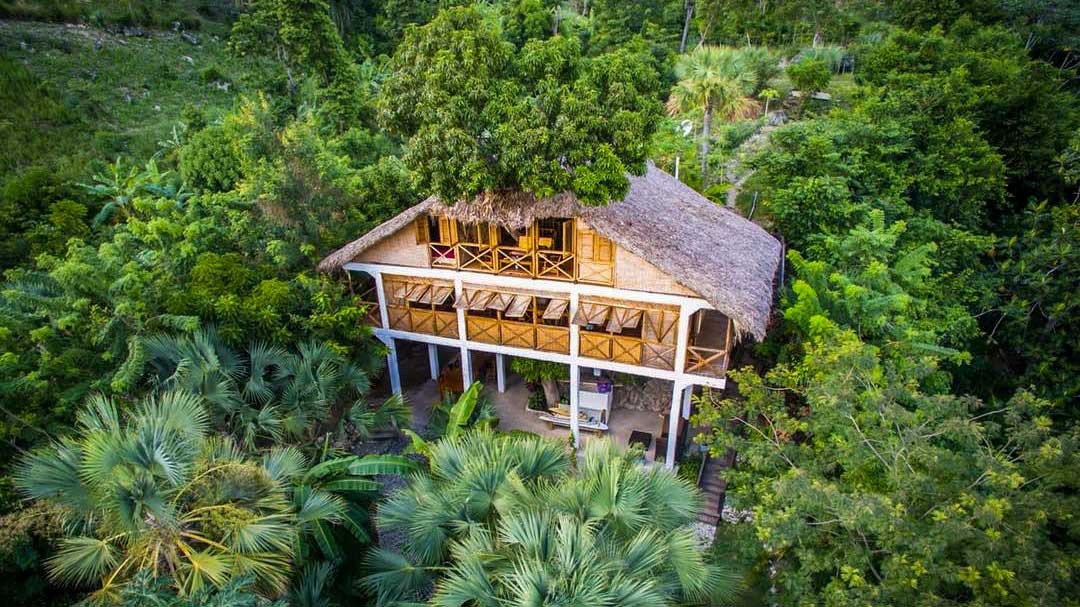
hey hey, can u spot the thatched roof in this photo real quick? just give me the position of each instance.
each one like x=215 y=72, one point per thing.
x=726 y=259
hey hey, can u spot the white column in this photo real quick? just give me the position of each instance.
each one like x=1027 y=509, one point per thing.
x=574 y=329
x=500 y=372
x=682 y=339
x=392 y=366
x=384 y=315
x=673 y=424
x=466 y=367
x=460 y=312
x=575 y=377
x=466 y=359
x=433 y=360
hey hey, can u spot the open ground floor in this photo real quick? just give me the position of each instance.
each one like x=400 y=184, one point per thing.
x=627 y=409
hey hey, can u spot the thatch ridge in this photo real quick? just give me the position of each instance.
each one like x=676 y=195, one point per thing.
x=726 y=259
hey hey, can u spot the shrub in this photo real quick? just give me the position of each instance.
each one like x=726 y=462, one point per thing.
x=809 y=75
x=210 y=162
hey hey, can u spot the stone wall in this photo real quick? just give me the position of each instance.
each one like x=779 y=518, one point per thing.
x=651 y=395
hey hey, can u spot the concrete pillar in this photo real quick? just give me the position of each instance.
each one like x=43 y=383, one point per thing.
x=500 y=372
x=466 y=368
x=433 y=360
x=677 y=395
x=392 y=366
x=575 y=378
x=687 y=402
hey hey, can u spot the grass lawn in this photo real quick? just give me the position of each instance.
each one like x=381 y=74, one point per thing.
x=73 y=95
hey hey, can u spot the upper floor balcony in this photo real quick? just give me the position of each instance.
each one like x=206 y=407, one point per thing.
x=627 y=332
x=549 y=249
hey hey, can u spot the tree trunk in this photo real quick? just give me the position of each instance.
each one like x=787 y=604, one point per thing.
x=766 y=107
x=706 y=124
x=686 y=25
x=551 y=392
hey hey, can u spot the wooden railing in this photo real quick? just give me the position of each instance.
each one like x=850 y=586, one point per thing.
x=706 y=361
x=555 y=265
x=606 y=346
x=658 y=356
x=518 y=334
x=553 y=339
x=517 y=261
x=477 y=257
x=420 y=320
x=443 y=255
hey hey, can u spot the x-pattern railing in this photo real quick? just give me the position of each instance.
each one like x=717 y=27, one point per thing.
x=514 y=260
x=443 y=255
x=477 y=257
x=708 y=361
x=558 y=265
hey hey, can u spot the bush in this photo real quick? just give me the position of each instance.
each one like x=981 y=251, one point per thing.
x=809 y=75
x=210 y=162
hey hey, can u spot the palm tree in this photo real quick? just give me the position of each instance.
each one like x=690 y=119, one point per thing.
x=157 y=494
x=268 y=393
x=505 y=520
x=156 y=491
x=716 y=81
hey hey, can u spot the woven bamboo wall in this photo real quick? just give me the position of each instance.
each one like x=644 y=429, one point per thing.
x=636 y=274
x=400 y=249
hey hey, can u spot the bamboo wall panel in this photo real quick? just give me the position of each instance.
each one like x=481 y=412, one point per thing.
x=483 y=329
x=399 y=318
x=625 y=350
x=553 y=339
x=423 y=321
x=518 y=334
x=446 y=324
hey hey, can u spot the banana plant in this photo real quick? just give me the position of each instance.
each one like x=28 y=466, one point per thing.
x=457 y=420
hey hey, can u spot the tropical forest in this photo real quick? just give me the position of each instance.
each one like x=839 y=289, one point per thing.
x=195 y=412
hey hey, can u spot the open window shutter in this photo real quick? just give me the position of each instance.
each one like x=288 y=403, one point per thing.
x=423 y=232
x=444 y=230
x=587 y=245
x=603 y=249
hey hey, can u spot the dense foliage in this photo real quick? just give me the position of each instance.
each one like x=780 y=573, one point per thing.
x=481 y=115
x=505 y=518
x=180 y=391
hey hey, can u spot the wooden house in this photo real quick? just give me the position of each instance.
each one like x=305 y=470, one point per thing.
x=660 y=284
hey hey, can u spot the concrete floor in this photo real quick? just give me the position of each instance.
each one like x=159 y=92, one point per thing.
x=513 y=415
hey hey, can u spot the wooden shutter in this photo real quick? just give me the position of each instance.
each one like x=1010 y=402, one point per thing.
x=423 y=231
x=602 y=250
x=444 y=231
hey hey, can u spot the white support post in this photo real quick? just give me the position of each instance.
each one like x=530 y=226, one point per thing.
x=462 y=334
x=575 y=331
x=682 y=340
x=500 y=372
x=380 y=293
x=433 y=360
x=575 y=378
x=466 y=367
x=673 y=424
x=466 y=358
x=392 y=366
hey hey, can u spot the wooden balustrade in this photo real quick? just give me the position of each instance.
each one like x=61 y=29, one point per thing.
x=607 y=346
x=555 y=265
x=553 y=339
x=706 y=361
